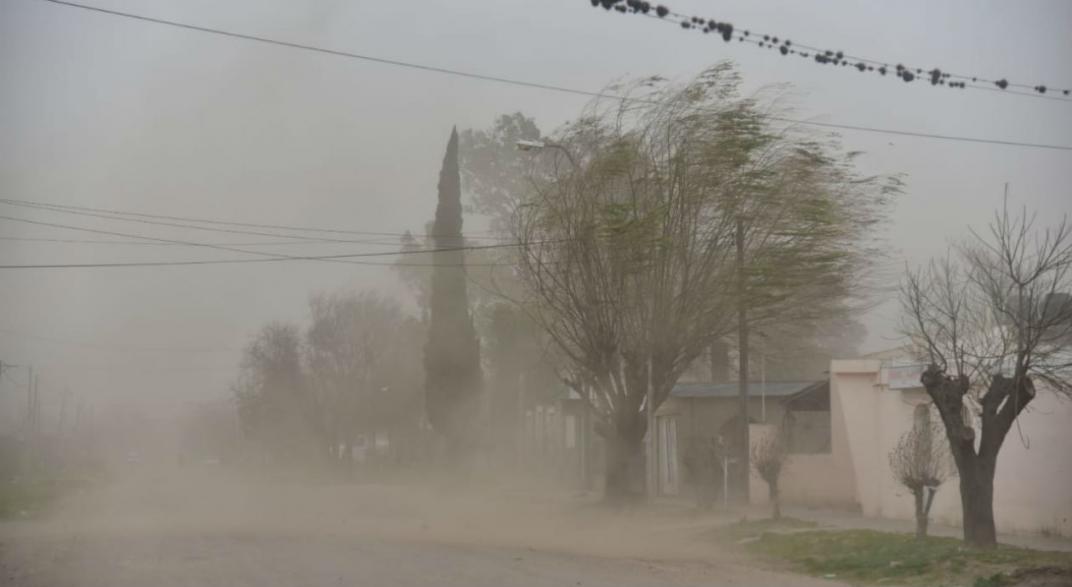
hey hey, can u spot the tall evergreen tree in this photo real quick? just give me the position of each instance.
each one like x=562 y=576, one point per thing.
x=452 y=353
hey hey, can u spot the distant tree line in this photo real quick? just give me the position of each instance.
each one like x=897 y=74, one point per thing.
x=319 y=391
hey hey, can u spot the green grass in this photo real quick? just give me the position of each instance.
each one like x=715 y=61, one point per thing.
x=870 y=557
x=28 y=497
x=748 y=529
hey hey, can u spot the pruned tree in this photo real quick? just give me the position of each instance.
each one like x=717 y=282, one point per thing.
x=769 y=455
x=453 y=376
x=993 y=323
x=921 y=462
x=652 y=220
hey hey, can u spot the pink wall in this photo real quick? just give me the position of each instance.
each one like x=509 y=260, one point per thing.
x=1033 y=485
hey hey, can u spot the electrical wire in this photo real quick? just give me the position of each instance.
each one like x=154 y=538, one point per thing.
x=266 y=256
x=143 y=218
x=128 y=242
x=523 y=83
x=729 y=31
x=115 y=347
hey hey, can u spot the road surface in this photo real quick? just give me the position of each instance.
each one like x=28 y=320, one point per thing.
x=162 y=530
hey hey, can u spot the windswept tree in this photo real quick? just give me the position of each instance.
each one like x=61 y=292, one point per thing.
x=994 y=323
x=494 y=170
x=452 y=354
x=275 y=406
x=921 y=463
x=650 y=221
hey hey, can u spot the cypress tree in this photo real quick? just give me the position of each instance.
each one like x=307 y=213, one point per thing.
x=452 y=353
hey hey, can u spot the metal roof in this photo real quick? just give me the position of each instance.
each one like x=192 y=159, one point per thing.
x=755 y=389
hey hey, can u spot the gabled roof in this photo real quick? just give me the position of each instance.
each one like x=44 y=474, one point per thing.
x=755 y=389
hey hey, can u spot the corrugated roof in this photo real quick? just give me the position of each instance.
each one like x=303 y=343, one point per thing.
x=755 y=389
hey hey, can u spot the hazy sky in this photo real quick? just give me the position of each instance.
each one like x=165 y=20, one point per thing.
x=106 y=112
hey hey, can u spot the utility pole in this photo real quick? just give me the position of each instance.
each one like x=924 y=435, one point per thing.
x=652 y=460
x=31 y=395
x=742 y=368
x=763 y=379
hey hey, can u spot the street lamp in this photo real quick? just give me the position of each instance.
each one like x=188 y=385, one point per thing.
x=528 y=146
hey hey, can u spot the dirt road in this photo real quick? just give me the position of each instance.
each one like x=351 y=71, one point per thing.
x=162 y=529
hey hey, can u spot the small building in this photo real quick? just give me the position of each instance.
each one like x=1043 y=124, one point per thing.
x=878 y=398
x=701 y=420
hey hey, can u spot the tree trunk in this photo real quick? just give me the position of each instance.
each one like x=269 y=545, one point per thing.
x=977 y=506
x=345 y=456
x=622 y=451
x=1001 y=404
x=921 y=514
x=775 y=500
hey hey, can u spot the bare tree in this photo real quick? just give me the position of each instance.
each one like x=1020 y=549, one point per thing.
x=769 y=455
x=992 y=321
x=921 y=462
x=629 y=256
x=351 y=344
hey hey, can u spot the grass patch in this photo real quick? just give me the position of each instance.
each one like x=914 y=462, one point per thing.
x=746 y=529
x=23 y=498
x=867 y=556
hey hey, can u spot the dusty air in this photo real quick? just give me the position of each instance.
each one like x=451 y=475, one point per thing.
x=605 y=293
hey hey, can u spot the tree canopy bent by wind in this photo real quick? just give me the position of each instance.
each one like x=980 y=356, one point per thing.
x=629 y=229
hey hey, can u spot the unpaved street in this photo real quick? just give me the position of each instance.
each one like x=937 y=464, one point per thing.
x=162 y=529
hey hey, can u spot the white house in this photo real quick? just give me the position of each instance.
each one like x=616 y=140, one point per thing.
x=874 y=400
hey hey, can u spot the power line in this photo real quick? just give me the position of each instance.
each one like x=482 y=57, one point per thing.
x=115 y=347
x=267 y=257
x=127 y=242
x=143 y=218
x=522 y=83
x=786 y=47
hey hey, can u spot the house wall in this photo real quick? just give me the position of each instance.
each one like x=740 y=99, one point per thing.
x=810 y=432
x=824 y=480
x=1033 y=484
x=819 y=479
